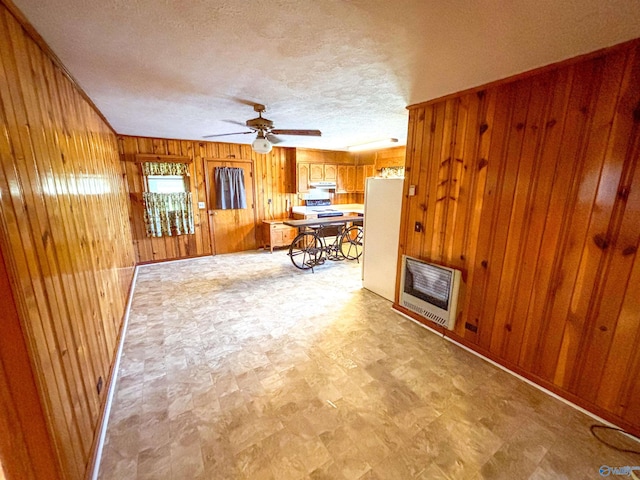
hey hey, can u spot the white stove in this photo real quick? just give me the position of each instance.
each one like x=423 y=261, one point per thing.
x=322 y=208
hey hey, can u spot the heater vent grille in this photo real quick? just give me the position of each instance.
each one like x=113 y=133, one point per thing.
x=425 y=313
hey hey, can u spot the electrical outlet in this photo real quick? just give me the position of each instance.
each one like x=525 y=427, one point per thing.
x=202 y=205
x=99 y=385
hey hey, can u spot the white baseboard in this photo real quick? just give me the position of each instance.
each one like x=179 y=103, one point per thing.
x=524 y=379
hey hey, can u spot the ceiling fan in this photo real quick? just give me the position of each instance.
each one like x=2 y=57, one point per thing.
x=266 y=133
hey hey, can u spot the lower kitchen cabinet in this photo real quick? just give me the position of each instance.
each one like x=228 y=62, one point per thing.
x=277 y=234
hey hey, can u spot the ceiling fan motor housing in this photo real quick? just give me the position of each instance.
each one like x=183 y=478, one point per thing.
x=260 y=123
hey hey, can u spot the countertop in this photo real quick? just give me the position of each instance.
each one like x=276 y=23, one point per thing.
x=345 y=208
x=323 y=221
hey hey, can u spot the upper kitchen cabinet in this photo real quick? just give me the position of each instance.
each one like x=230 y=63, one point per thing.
x=303 y=177
x=346 y=181
x=316 y=172
x=362 y=173
x=323 y=172
x=330 y=173
x=323 y=166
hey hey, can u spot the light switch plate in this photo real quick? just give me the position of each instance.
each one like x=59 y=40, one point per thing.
x=201 y=205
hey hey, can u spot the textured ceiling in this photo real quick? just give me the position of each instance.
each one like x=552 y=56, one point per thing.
x=183 y=69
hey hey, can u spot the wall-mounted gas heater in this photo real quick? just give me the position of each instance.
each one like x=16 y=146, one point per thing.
x=430 y=290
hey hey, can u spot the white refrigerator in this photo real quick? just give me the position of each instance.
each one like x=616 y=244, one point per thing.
x=382 y=208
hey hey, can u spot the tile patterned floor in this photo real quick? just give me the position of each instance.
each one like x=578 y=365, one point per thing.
x=242 y=367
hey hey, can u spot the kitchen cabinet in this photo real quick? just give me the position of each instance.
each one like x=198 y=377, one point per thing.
x=303 y=177
x=346 y=182
x=277 y=234
x=316 y=172
x=362 y=173
x=351 y=178
x=330 y=172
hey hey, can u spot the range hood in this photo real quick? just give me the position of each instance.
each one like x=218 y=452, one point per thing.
x=323 y=185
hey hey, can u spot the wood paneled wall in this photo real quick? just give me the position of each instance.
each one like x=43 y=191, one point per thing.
x=531 y=187
x=65 y=237
x=274 y=179
x=309 y=155
x=163 y=248
x=387 y=157
x=26 y=449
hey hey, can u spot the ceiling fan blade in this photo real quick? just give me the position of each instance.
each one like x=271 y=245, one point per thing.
x=242 y=124
x=308 y=133
x=273 y=139
x=243 y=101
x=225 y=134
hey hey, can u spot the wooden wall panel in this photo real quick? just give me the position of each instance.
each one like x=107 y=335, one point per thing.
x=274 y=179
x=307 y=155
x=387 y=157
x=25 y=446
x=65 y=237
x=532 y=188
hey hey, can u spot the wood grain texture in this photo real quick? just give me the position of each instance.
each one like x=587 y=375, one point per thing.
x=386 y=157
x=330 y=165
x=234 y=230
x=530 y=187
x=65 y=235
x=274 y=178
x=25 y=446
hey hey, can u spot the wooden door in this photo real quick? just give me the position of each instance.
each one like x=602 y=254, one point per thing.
x=232 y=230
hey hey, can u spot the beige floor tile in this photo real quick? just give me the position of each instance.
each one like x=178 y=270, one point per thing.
x=242 y=367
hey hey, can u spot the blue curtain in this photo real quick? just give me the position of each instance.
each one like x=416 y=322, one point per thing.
x=230 y=192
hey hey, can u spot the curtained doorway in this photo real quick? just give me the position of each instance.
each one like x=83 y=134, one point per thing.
x=232 y=229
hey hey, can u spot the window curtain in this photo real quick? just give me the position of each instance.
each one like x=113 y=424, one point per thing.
x=165 y=168
x=230 y=191
x=167 y=214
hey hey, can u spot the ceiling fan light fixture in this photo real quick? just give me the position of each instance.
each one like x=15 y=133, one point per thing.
x=386 y=142
x=261 y=145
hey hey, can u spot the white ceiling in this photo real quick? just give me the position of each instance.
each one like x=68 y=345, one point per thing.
x=180 y=69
